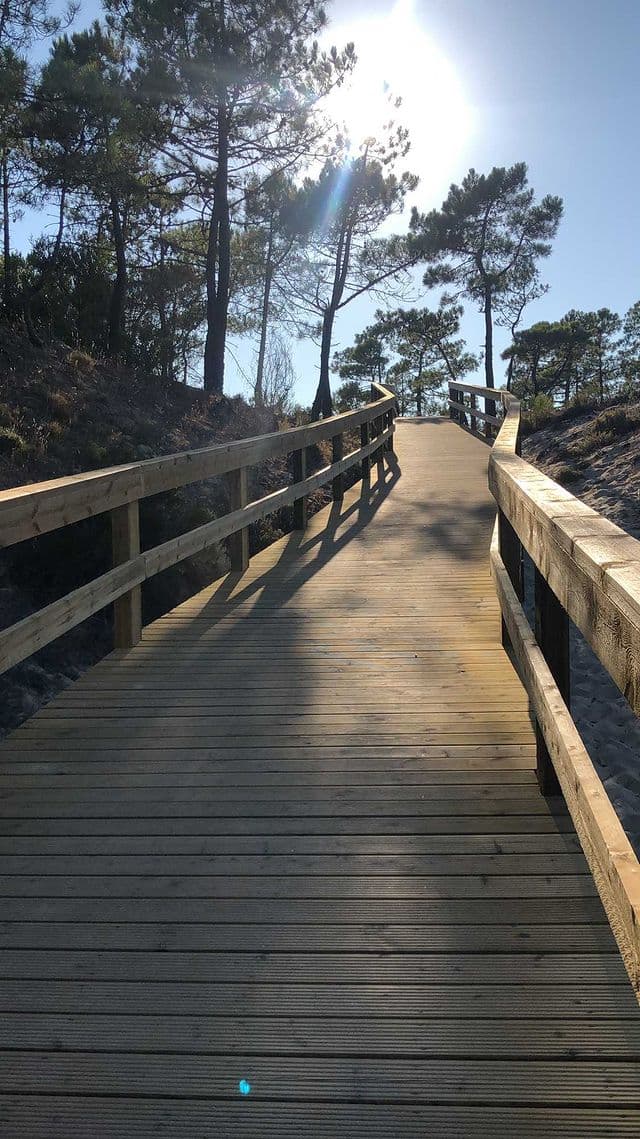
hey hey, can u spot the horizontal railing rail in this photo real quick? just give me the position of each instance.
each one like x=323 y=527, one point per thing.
x=459 y=409
x=586 y=570
x=29 y=511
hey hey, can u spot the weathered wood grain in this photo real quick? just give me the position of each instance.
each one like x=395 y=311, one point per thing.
x=294 y=836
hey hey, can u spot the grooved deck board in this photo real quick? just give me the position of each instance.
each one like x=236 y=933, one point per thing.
x=294 y=837
x=66 y=1117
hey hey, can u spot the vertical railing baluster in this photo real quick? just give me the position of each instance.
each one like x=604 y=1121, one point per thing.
x=490 y=409
x=364 y=439
x=239 y=542
x=125 y=545
x=299 y=475
x=337 y=453
x=391 y=415
x=511 y=554
x=552 y=635
x=380 y=451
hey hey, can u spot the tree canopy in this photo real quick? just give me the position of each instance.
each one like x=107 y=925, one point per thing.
x=486 y=239
x=195 y=187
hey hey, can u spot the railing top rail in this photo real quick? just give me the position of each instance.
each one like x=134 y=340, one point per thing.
x=593 y=569
x=33 y=509
x=592 y=565
x=489 y=393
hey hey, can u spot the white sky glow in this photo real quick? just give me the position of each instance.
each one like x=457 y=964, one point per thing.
x=397 y=57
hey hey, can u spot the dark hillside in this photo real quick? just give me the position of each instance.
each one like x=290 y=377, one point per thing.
x=61 y=412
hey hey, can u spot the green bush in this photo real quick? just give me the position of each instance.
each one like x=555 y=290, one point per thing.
x=81 y=361
x=566 y=475
x=12 y=442
x=60 y=406
x=616 y=421
x=539 y=413
x=94 y=455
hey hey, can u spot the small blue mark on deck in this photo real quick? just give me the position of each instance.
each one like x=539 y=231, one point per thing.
x=244 y=1087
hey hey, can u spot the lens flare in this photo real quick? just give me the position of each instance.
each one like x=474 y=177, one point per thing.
x=398 y=59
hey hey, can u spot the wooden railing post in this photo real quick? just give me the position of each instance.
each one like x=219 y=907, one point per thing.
x=364 y=439
x=238 y=542
x=459 y=414
x=552 y=635
x=511 y=554
x=379 y=455
x=337 y=453
x=490 y=408
x=299 y=475
x=391 y=414
x=474 y=404
x=125 y=544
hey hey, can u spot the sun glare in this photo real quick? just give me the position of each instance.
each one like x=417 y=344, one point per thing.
x=396 y=58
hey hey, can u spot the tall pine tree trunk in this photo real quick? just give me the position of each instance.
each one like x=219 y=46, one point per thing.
x=419 y=386
x=218 y=266
x=45 y=276
x=219 y=244
x=166 y=353
x=258 y=393
x=323 y=403
x=489 y=404
x=7 y=287
x=118 y=299
x=488 y=336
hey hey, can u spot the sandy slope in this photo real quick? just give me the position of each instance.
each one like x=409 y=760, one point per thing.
x=605 y=473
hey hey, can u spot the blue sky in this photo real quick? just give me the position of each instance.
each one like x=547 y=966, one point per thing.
x=487 y=83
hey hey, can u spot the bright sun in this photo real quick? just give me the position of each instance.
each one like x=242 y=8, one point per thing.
x=396 y=56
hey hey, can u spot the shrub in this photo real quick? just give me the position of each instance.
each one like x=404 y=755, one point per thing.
x=617 y=421
x=81 y=361
x=539 y=414
x=60 y=406
x=566 y=475
x=12 y=442
x=94 y=455
x=607 y=428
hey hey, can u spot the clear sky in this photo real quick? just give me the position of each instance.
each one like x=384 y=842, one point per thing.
x=554 y=83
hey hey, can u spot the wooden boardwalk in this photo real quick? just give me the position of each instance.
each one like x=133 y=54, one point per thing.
x=294 y=838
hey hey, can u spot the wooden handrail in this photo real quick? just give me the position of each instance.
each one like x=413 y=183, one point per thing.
x=32 y=510
x=487 y=393
x=587 y=569
x=459 y=410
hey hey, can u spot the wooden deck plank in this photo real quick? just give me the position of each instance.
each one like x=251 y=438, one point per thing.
x=514 y=1002
x=66 y=1117
x=315 y=911
x=266 y=1036
x=245 y=937
x=478 y=1082
x=294 y=837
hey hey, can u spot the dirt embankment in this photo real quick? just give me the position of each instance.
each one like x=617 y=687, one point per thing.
x=61 y=413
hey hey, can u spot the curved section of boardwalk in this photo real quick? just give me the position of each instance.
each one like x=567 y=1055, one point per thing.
x=294 y=839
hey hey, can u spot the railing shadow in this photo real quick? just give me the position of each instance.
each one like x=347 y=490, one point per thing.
x=327 y=544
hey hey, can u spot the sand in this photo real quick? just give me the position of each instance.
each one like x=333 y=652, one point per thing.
x=609 y=482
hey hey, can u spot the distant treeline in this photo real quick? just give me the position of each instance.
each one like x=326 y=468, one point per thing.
x=201 y=186
x=585 y=355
